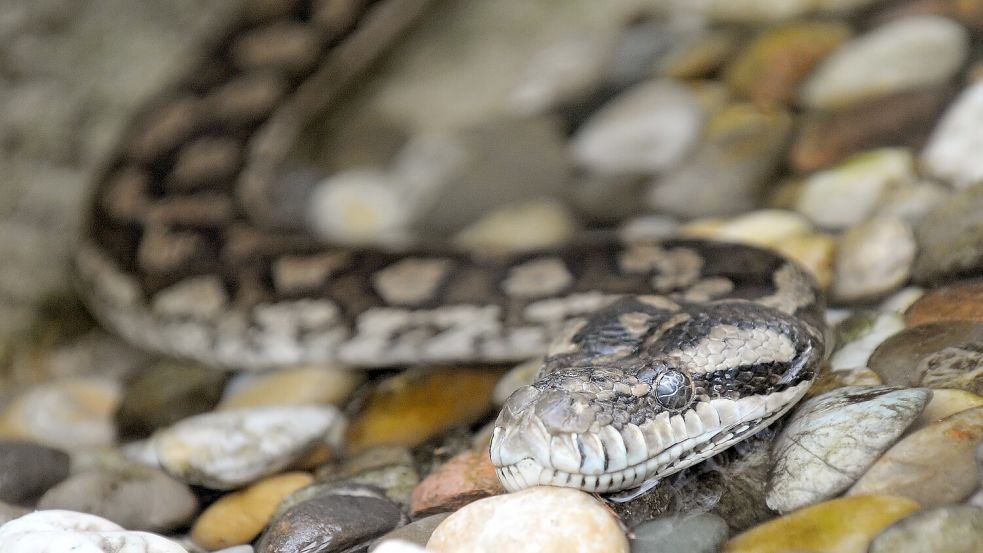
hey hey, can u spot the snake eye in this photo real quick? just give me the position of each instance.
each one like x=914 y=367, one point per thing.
x=673 y=390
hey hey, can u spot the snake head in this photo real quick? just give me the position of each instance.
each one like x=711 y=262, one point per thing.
x=692 y=391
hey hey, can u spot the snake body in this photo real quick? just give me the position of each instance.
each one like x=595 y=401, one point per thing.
x=664 y=353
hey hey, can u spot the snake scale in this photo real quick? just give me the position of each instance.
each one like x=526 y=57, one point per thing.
x=663 y=353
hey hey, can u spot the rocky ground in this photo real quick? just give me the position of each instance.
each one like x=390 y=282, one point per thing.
x=844 y=134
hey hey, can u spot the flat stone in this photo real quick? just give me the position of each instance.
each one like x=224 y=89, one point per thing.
x=771 y=67
x=900 y=119
x=331 y=522
x=398 y=546
x=873 y=259
x=844 y=525
x=417 y=532
x=409 y=408
x=908 y=357
x=291 y=386
x=697 y=53
x=934 y=466
x=846 y=194
x=227 y=449
x=578 y=524
x=646 y=129
x=465 y=478
x=165 y=393
x=833 y=438
x=833 y=379
x=390 y=468
x=528 y=225
x=950 y=241
x=858 y=336
x=949 y=529
x=945 y=402
x=67 y=414
x=27 y=470
x=121 y=495
x=237 y=518
x=741 y=147
x=948 y=156
x=959 y=301
x=765 y=11
x=704 y=533
x=43 y=531
x=901 y=55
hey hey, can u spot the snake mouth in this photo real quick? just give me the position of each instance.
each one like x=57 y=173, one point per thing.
x=612 y=460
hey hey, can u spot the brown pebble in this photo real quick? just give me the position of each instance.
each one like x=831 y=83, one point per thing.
x=903 y=359
x=960 y=301
x=466 y=477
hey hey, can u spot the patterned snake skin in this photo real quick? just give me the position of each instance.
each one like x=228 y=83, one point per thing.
x=667 y=352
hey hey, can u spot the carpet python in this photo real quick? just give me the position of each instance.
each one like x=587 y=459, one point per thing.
x=664 y=353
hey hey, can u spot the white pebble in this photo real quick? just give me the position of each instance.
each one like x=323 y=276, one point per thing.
x=953 y=152
x=57 y=531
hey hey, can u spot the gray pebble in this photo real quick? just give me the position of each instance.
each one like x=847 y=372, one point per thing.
x=27 y=470
x=949 y=529
x=417 y=532
x=704 y=533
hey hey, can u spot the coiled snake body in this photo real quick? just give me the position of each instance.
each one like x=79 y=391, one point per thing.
x=663 y=353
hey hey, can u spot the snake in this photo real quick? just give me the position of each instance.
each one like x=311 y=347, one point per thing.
x=658 y=354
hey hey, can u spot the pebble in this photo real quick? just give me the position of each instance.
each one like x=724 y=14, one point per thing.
x=771 y=67
x=764 y=11
x=332 y=522
x=465 y=478
x=901 y=300
x=66 y=414
x=227 y=449
x=291 y=386
x=697 y=53
x=165 y=393
x=704 y=533
x=844 y=525
x=833 y=438
x=950 y=154
x=959 y=301
x=832 y=379
x=608 y=199
x=873 y=258
x=934 y=466
x=949 y=529
x=945 y=402
x=523 y=374
x=950 y=239
x=27 y=470
x=908 y=357
x=389 y=468
x=359 y=206
x=529 y=225
x=646 y=129
x=411 y=407
x=861 y=334
x=237 y=518
x=900 y=119
x=10 y=512
x=911 y=203
x=540 y=518
x=57 y=531
x=901 y=55
x=741 y=147
x=417 y=532
x=121 y=495
x=398 y=546
x=845 y=195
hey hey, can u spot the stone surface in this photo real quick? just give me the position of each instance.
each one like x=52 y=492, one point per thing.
x=331 y=522
x=27 y=470
x=465 y=478
x=226 y=449
x=724 y=175
x=844 y=525
x=165 y=393
x=934 y=466
x=704 y=533
x=902 y=55
x=846 y=194
x=121 y=495
x=237 y=518
x=56 y=531
x=908 y=357
x=646 y=129
x=765 y=11
x=859 y=336
x=294 y=386
x=417 y=532
x=771 y=67
x=530 y=225
x=950 y=241
x=66 y=414
x=873 y=258
x=951 y=529
x=833 y=438
x=945 y=402
x=832 y=379
x=959 y=301
x=536 y=519
x=409 y=408
x=398 y=546
x=389 y=468
x=949 y=153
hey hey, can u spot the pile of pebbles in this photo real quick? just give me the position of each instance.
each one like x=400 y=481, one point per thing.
x=845 y=135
